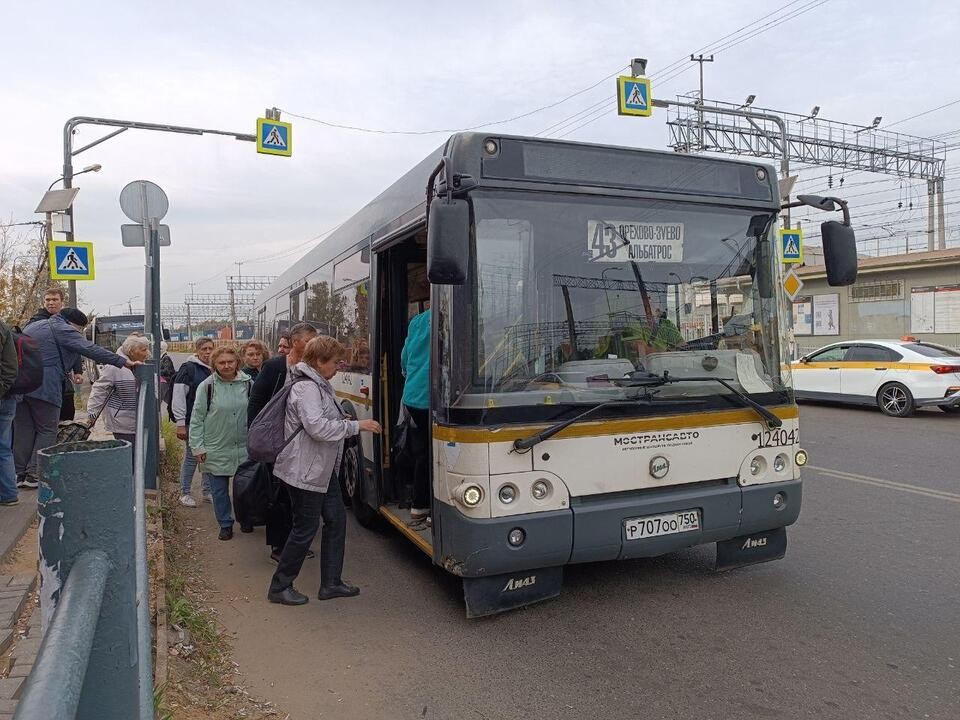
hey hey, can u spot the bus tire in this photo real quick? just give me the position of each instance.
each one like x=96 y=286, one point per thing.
x=895 y=400
x=351 y=484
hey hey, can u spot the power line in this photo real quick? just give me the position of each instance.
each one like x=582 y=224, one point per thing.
x=376 y=131
x=754 y=32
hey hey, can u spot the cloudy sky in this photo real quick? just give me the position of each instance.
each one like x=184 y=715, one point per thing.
x=411 y=66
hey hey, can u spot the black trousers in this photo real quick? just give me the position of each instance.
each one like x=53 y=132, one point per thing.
x=308 y=509
x=67 y=409
x=279 y=517
x=421 y=466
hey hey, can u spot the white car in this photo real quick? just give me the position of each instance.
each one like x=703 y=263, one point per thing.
x=896 y=375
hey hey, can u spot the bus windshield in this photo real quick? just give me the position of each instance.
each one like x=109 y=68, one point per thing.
x=580 y=299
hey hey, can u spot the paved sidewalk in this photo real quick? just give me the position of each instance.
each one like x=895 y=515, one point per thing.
x=15 y=520
x=15 y=592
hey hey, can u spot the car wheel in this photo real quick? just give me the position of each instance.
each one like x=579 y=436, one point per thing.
x=895 y=400
x=351 y=474
x=950 y=409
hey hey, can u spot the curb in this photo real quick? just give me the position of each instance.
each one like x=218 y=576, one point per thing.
x=21 y=522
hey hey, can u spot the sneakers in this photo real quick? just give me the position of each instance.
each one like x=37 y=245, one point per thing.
x=25 y=481
x=9 y=503
x=226 y=533
x=207 y=497
x=188 y=501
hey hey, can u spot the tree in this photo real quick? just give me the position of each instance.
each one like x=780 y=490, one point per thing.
x=23 y=271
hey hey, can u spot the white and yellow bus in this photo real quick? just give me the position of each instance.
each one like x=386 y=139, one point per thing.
x=609 y=375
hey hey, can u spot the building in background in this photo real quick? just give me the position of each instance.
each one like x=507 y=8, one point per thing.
x=916 y=294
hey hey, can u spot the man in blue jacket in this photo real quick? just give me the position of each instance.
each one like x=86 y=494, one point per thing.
x=35 y=426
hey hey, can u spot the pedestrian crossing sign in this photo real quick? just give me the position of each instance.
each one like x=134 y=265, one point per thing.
x=791 y=245
x=633 y=96
x=274 y=137
x=71 y=261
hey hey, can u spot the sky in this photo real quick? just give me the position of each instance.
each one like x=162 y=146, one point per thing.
x=412 y=66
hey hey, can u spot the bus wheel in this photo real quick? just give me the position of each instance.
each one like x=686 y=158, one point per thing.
x=350 y=485
x=895 y=400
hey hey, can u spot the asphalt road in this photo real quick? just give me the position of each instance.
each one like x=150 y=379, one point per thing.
x=860 y=620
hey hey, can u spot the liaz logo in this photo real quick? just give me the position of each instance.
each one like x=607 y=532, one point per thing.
x=515 y=584
x=751 y=543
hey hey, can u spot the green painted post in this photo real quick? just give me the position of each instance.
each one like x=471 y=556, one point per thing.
x=86 y=502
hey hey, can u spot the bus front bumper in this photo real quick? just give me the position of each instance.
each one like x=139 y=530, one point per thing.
x=592 y=529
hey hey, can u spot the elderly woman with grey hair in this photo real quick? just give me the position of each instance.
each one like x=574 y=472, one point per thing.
x=115 y=392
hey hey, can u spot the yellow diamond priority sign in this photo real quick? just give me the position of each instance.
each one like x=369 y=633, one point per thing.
x=792 y=284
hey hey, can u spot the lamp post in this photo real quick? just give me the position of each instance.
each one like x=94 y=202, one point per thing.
x=676 y=296
x=603 y=277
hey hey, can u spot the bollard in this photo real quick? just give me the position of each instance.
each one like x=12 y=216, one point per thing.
x=86 y=502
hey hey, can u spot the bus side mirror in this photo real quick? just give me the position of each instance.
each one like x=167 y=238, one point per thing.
x=839 y=253
x=448 y=242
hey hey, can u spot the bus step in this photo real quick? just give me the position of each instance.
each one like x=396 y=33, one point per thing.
x=751 y=549
x=499 y=593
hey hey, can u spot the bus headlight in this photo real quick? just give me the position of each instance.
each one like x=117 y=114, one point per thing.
x=540 y=489
x=507 y=494
x=757 y=465
x=516 y=537
x=780 y=463
x=800 y=458
x=468 y=495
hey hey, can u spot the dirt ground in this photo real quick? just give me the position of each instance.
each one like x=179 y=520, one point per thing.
x=23 y=559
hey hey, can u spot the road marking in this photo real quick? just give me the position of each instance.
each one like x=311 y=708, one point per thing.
x=889 y=484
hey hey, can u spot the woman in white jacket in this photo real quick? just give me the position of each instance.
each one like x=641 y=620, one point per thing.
x=308 y=466
x=115 y=392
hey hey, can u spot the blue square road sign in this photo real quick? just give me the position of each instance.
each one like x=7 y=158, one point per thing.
x=274 y=137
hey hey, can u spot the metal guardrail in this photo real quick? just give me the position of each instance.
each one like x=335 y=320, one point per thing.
x=95 y=659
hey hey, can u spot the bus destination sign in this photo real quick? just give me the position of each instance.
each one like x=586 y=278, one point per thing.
x=625 y=240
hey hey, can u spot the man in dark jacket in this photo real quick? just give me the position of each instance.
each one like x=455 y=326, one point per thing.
x=272 y=377
x=193 y=371
x=53 y=304
x=61 y=343
x=8 y=408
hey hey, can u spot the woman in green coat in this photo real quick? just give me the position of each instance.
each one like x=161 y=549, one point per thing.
x=218 y=430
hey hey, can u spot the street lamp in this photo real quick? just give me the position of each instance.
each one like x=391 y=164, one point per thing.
x=748 y=102
x=603 y=277
x=97 y=167
x=871 y=126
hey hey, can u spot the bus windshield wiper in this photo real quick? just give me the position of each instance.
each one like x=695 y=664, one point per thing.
x=646 y=399
x=652 y=380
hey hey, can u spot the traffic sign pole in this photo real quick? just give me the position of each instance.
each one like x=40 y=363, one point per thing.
x=146 y=203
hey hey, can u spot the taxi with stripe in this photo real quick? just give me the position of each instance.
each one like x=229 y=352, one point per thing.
x=898 y=376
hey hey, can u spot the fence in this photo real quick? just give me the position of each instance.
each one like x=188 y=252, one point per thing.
x=95 y=659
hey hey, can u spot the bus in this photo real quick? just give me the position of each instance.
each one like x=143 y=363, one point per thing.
x=609 y=375
x=109 y=331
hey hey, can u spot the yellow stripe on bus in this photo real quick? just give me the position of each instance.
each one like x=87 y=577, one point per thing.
x=413 y=535
x=611 y=427
x=841 y=365
x=359 y=399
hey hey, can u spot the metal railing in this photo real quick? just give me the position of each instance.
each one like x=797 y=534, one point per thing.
x=95 y=657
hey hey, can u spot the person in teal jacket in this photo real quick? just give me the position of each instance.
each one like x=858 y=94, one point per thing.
x=415 y=362
x=218 y=430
